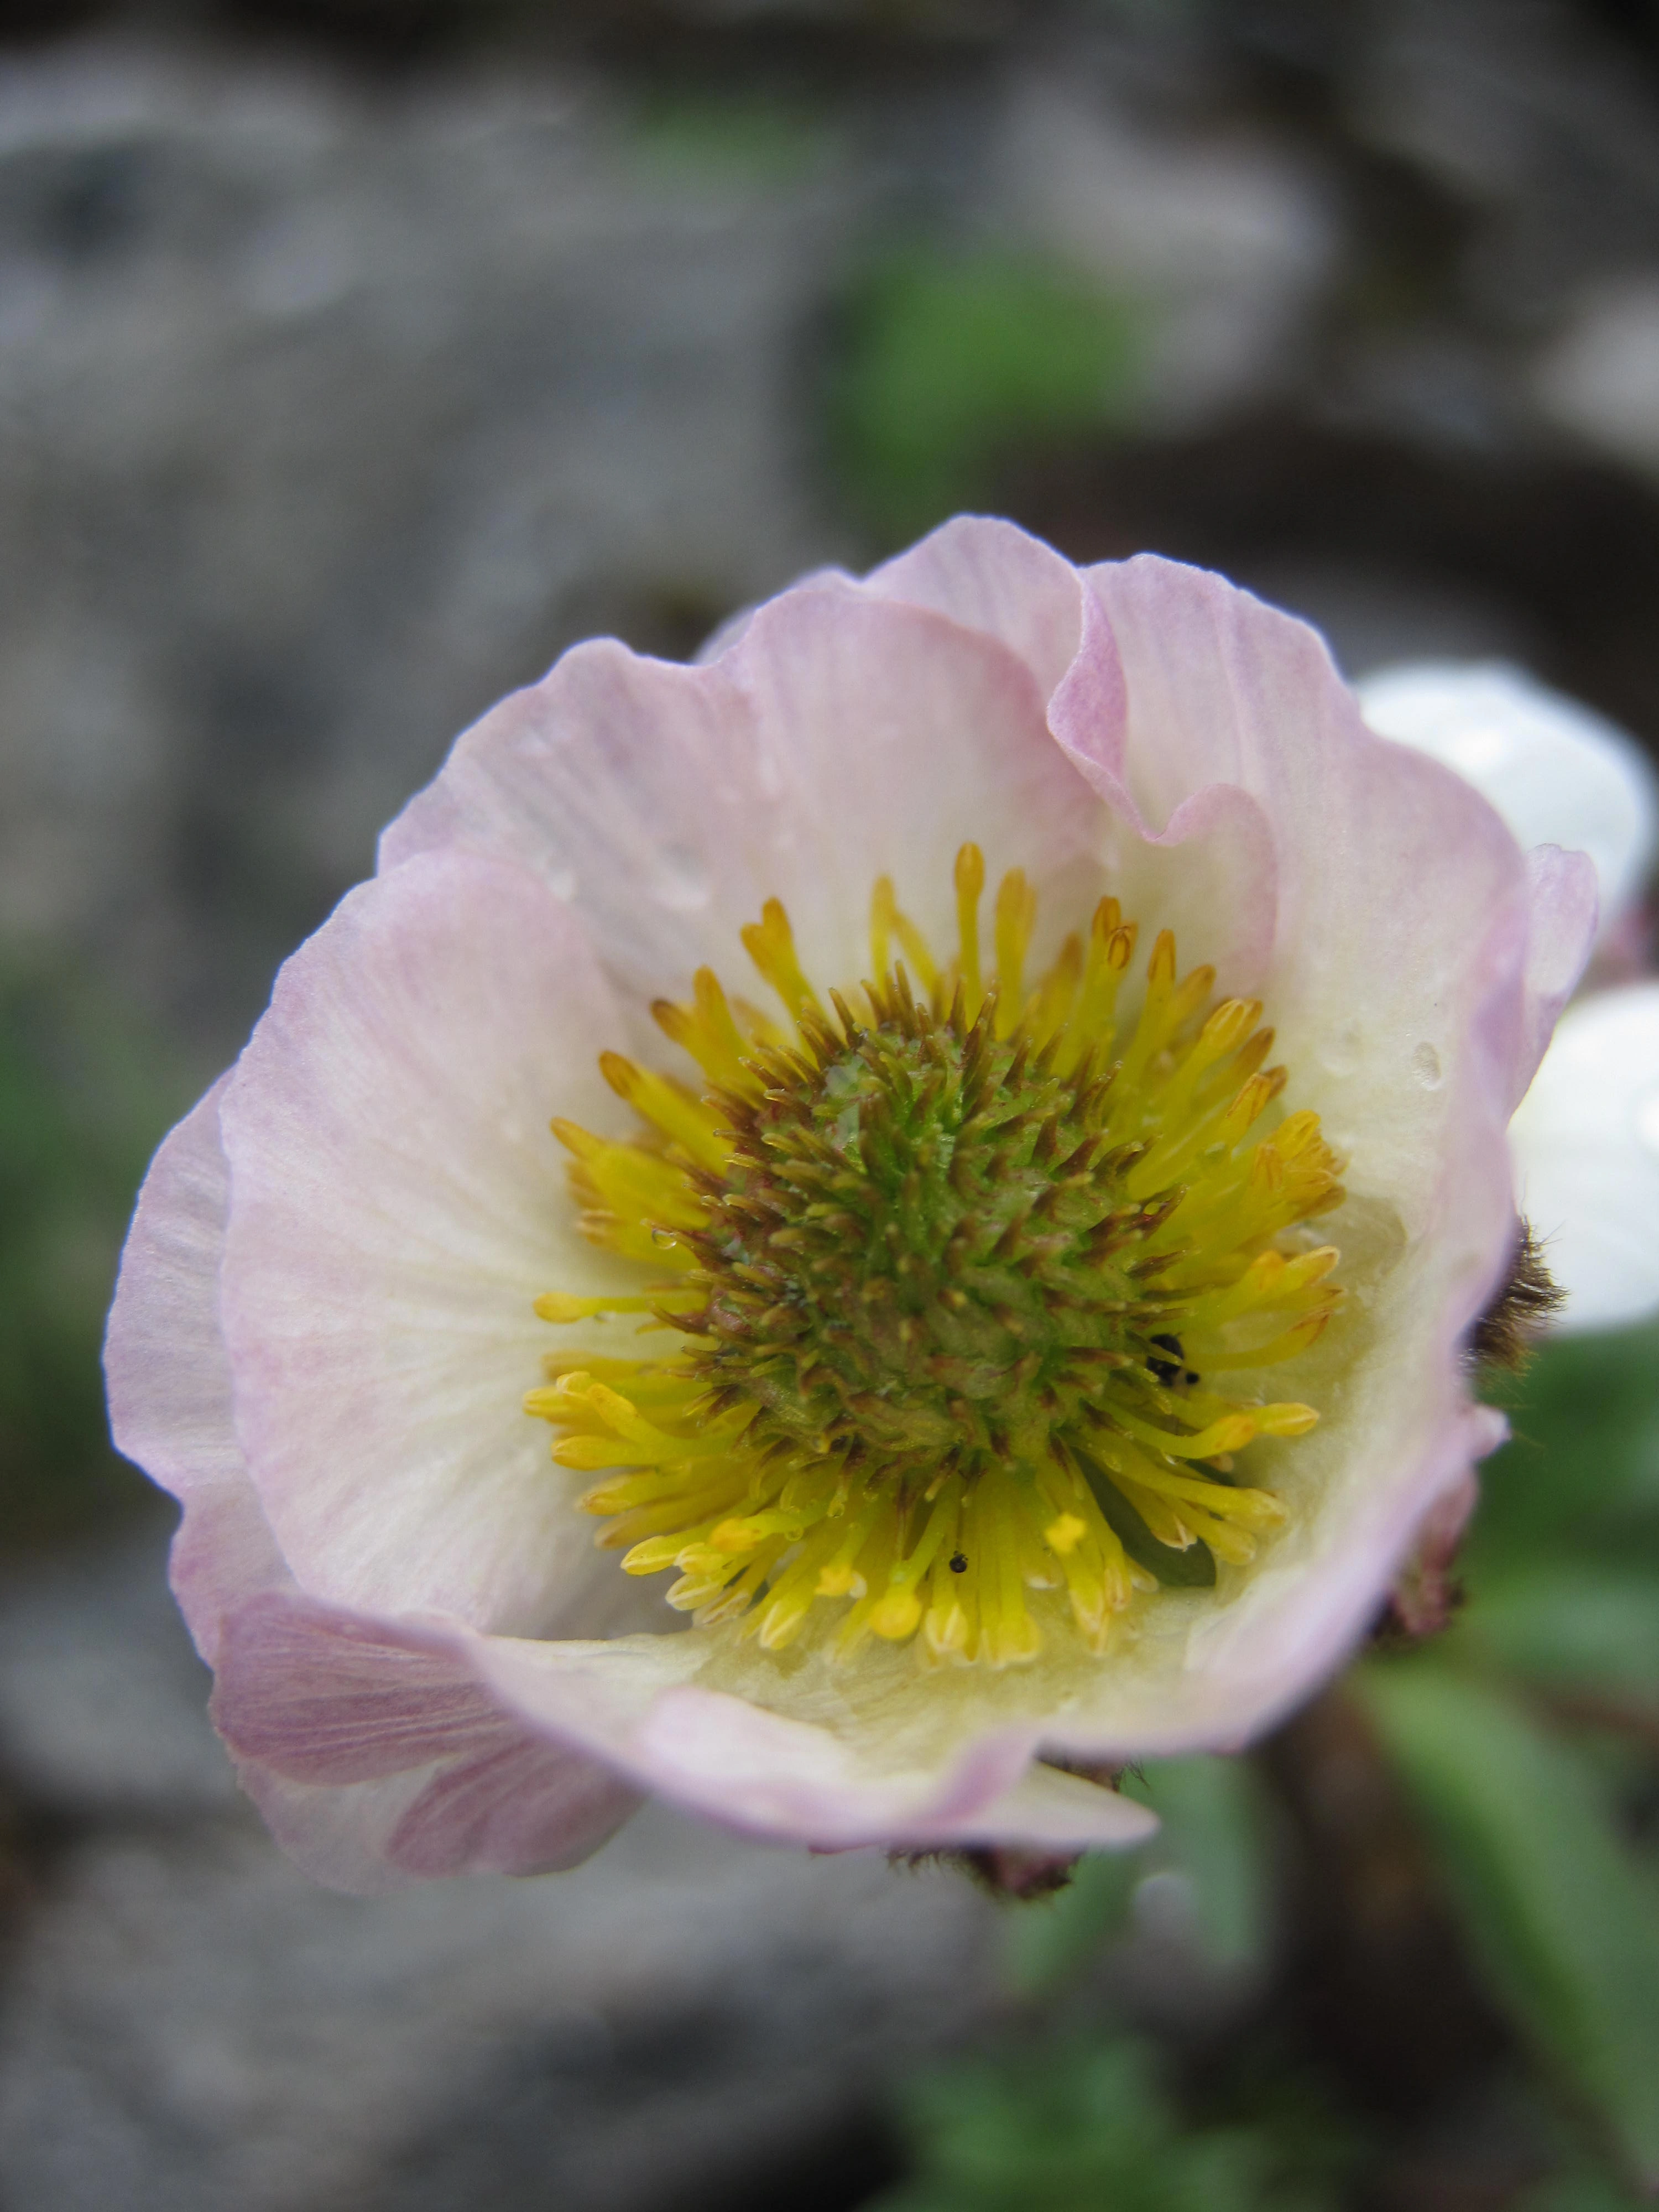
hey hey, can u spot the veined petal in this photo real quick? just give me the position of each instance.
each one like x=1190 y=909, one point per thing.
x=474 y=1791
x=169 y=1378
x=379 y=1758
x=397 y=1192
x=842 y=738
x=990 y=576
x=439 y=1664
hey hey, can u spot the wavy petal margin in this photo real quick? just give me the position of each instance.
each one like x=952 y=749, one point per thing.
x=323 y=1323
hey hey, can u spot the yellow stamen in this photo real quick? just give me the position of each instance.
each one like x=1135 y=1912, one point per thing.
x=770 y=944
x=684 y=1119
x=1016 y=917
x=969 y=884
x=945 y=1299
x=708 y=1029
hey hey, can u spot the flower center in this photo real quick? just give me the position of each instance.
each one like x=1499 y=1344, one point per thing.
x=951 y=1264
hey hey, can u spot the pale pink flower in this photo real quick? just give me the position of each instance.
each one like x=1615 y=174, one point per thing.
x=326 y=1327
x=1585 y=1138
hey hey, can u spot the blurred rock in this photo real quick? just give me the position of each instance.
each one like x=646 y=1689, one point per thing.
x=193 y=2025
x=103 y=1703
x=331 y=409
x=190 y=2024
x=1600 y=380
x=1371 y=615
x=329 y=413
x=1536 y=120
x=1227 y=240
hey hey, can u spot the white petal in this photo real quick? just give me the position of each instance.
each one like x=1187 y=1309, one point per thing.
x=397 y=1202
x=169 y=1380
x=1586 y=1142
x=841 y=736
x=1049 y=1808
x=379 y=1760
x=1558 y=773
x=987 y=575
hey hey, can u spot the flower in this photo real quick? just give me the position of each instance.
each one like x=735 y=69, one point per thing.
x=1586 y=1136
x=1011 y=1372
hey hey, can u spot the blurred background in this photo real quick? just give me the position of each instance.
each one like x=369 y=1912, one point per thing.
x=357 y=357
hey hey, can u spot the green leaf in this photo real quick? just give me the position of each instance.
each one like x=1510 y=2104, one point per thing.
x=1053 y=1939
x=1213 y=1833
x=726 y=135
x=1573 y=1625
x=949 y=362
x=1075 y=2130
x=1582 y=1472
x=84 y=1094
x=1557 y=1914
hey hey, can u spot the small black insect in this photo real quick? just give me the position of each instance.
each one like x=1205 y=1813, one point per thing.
x=1168 y=1371
x=1173 y=1370
x=959 y=1563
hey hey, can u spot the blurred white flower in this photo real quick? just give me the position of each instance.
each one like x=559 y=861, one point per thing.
x=1586 y=1144
x=1586 y=1137
x=1558 y=773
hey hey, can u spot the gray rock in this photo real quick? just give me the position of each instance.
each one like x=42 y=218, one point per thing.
x=1599 y=379
x=1372 y=615
x=327 y=415
x=1536 y=122
x=193 y=2027
x=1228 y=241
x=190 y=2024
x=103 y=1703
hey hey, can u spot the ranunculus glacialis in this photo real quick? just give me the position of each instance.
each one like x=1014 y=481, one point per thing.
x=962 y=1139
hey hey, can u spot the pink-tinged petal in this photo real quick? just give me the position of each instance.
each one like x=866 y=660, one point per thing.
x=1558 y=774
x=501 y=1800
x=990 y=576
x=841 y=738
x=339 y=1833
x=323 y=1695
x=399 y=1202
x=388 y=1761
x=169 y=1380
x=223 y=1553
x=312 y=1696
x=1400 y=936
x=1563 y=907
x=720 y=642
x=728 y=1759
x=525 y=1808
x=1197 y=856
x=395 y=1203
x=634 y=1702
x=1401 y=911
x=836 y=1787
x=1587 y=1157
x=1048 y=1809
